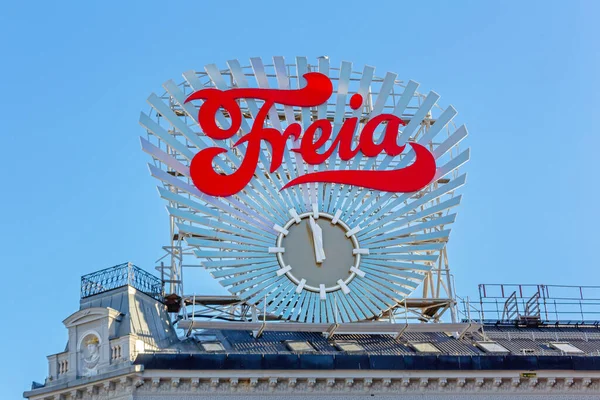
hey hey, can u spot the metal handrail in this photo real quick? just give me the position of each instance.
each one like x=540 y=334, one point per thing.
x=121 y=275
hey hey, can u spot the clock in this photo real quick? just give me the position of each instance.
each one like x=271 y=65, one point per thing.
x=319 y=192
x=302 y=247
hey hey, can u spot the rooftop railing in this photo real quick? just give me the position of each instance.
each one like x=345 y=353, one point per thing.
x=118 y=276
x=509 y=303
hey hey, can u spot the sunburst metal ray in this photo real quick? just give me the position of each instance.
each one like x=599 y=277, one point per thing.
x=401 y=235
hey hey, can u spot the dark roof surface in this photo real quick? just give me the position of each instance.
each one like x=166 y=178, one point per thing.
x=365 y=361
x=527 y=348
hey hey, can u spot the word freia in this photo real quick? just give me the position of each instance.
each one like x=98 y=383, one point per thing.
x=316 y=92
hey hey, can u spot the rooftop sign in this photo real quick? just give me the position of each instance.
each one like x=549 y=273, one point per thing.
x=314 y=191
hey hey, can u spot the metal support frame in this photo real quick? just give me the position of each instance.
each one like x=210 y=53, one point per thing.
x=373 y=328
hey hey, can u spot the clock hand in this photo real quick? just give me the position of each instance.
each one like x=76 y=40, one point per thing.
x=318 y=242
x=319 y=233
x=321 y=243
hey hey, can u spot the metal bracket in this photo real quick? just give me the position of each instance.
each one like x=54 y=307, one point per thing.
x=328 y=334
x=399 y=335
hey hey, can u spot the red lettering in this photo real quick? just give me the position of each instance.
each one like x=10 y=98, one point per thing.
x=388 y=144
x=308 y=147
x=316 y=92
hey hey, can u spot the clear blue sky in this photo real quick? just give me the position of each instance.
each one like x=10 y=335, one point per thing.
x=76 y=195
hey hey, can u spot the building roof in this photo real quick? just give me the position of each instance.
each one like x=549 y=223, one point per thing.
x=493 y=348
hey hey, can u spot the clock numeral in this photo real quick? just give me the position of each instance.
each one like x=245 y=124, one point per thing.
x=283 y=270
x=281 y=230
x=343 y=286
x=336 y=217
x=353 y=231
x=360 y=251
x=357 y=272
x=294 y=215
x=301 y=285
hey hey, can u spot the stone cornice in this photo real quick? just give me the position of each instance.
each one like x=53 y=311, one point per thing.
x=114 y=383
x=159 y=387
x=213 y=383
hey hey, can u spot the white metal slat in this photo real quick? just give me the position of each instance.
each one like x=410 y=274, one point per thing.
x=219 y=273
x=255 y=219
x=339 y=309
x=279 y=207
x=163 y=157
x=249 y=276
x=323 y=66
x=241 y=81
x=398 y=222
x=372 y=301
x=165 y=111
x=251 y=237
x=401 y=277
x=215 y=224
x=363 y=90
x=254 y=291
x=381 y=219
x=177 y=123
x=194 y=82
x=382 y=272
x=402 y=266
x=408 y=249
x=384 y=93
x=291 y=306
x=301 y=69
x=414 y=239
x=202 y=208
x=306 y=307
x=284 y=84
x=341 y=94
x=313 y=308
x=373 y=294
x=162 y=134
x=357 y=308
x=184 y=170
x=418 y=118
x=256 y=239
x=299 y=306
x=280 y=296
x=343 y=300
x=394 y=291
x=402 y=257
x=405 y=98
x=284 y=300
x=453 y=164
x=381 y=207
x=213 y=244
x=450 y=142
x=263 y=82
x=414 y=228
x=400 y=106
x=428 y=137
x=268 y=295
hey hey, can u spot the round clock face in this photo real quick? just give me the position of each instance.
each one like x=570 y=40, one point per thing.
x=319 y=192
x=302 y=252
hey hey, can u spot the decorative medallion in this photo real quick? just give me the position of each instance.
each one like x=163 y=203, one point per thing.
x=89 y=354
